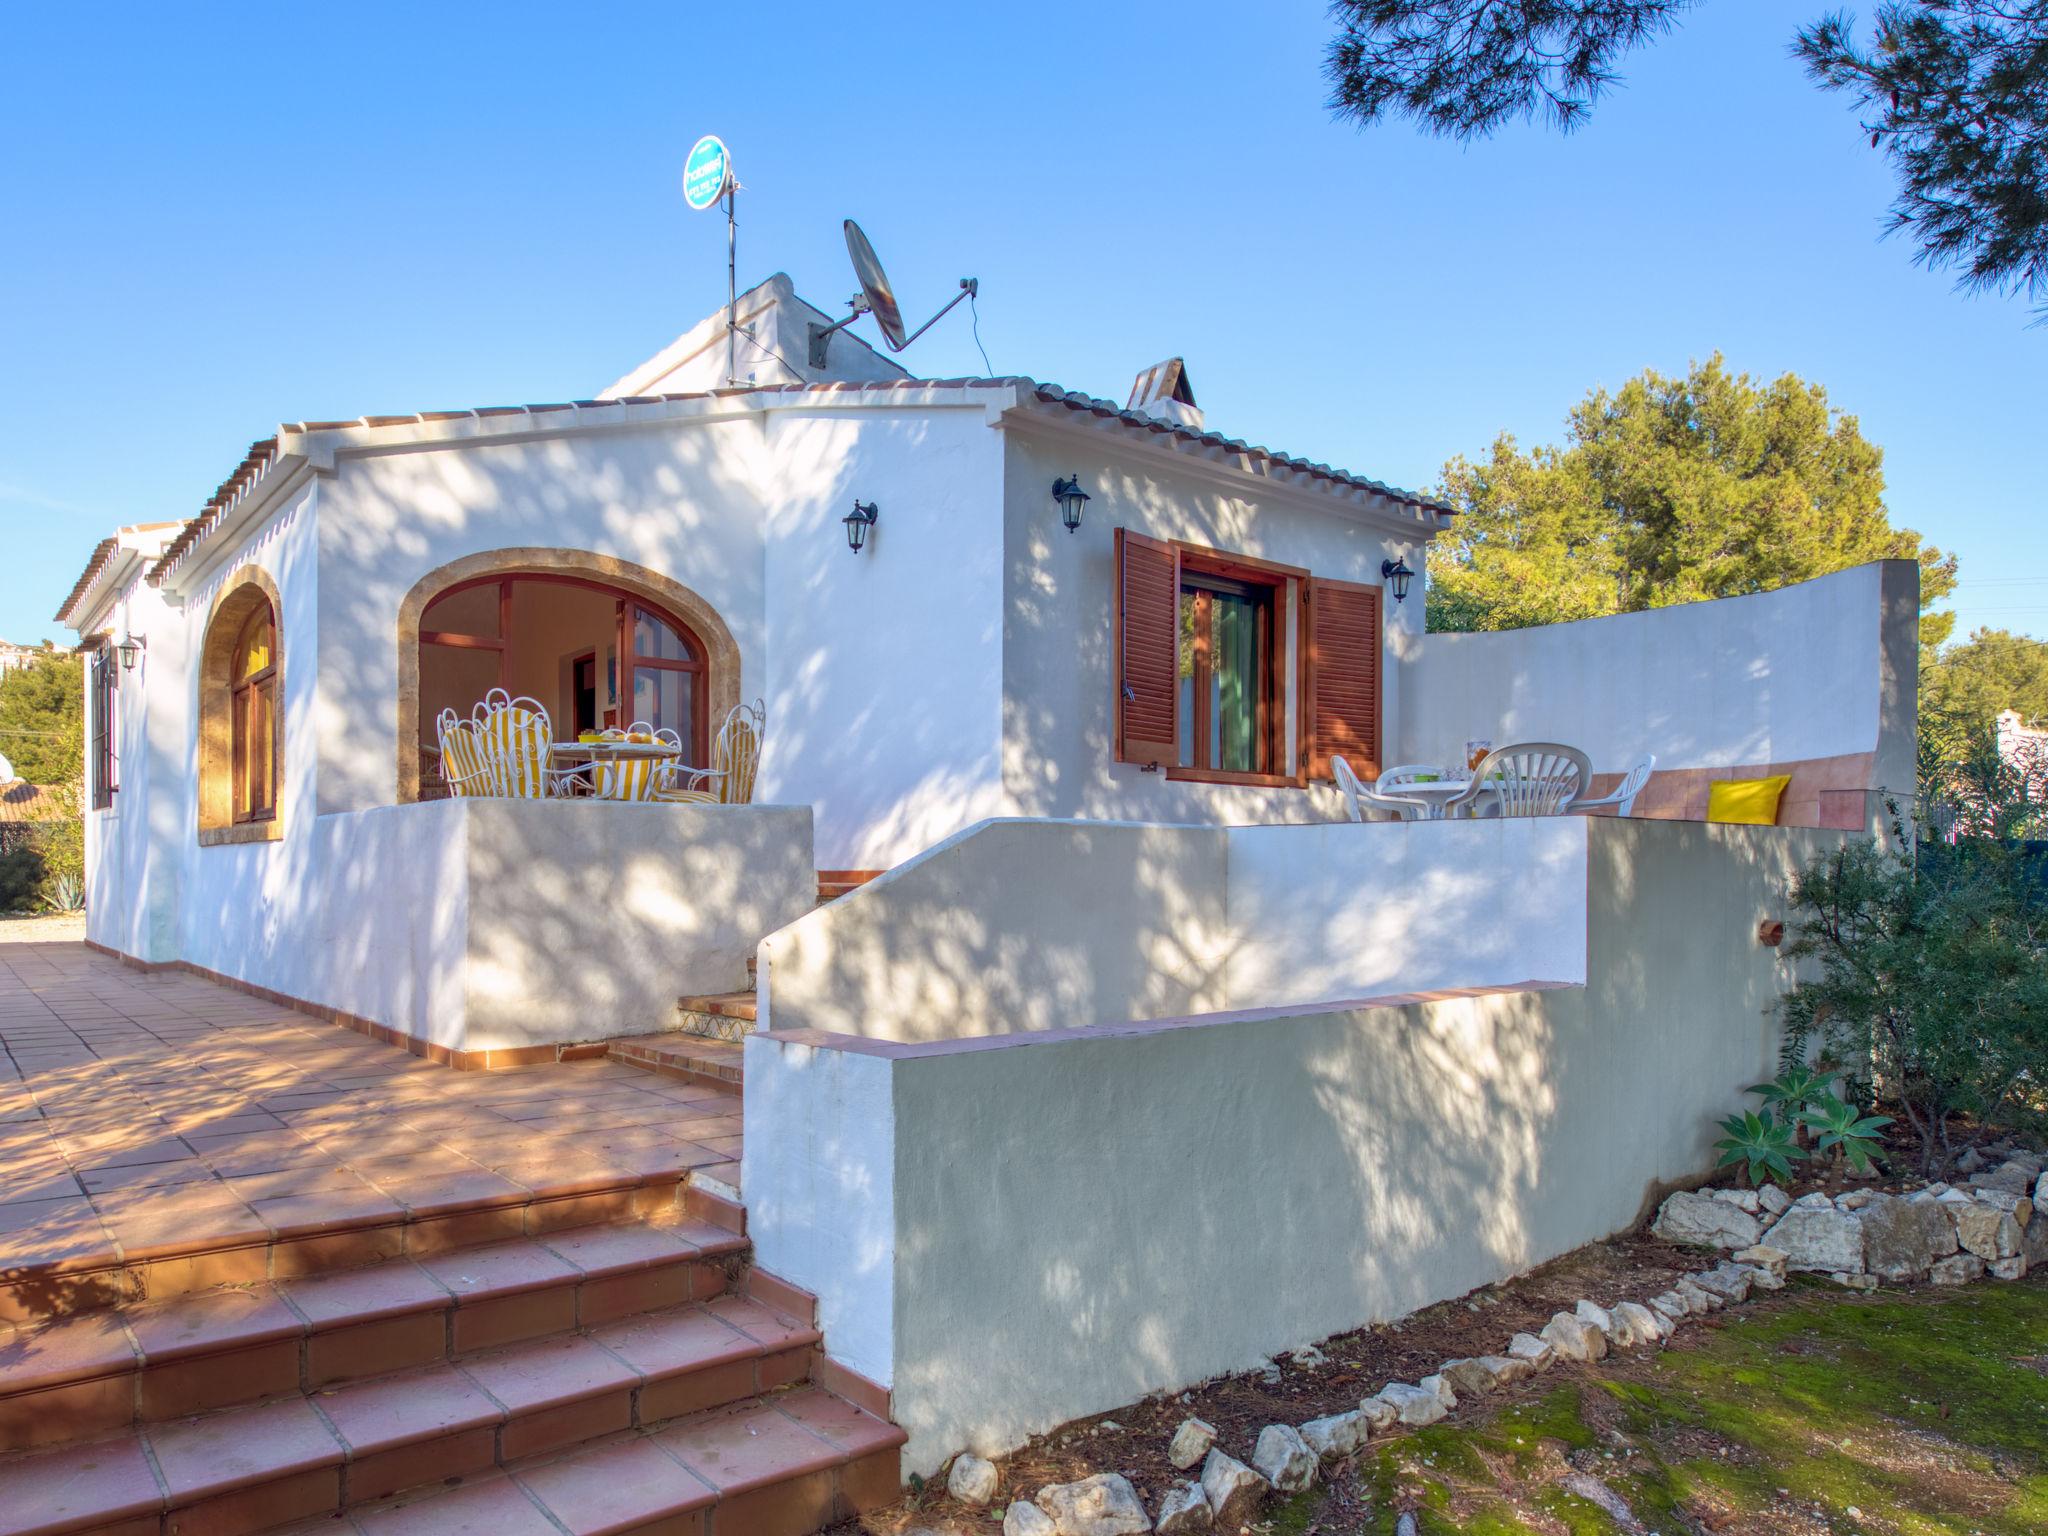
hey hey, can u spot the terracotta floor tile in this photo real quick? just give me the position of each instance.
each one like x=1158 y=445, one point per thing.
x=363 y=1295
x=746 y=1447
x=145 y=1175
x=614 y=1488
x=834 y=1419
x=79 y=1487
x=219 y=1452
x=35 y=1215
x=497 y=1270
x=766 y=1327
x=65 y=1349
x=662 y=1343
x=325 y=1210
x=183 y=1218
x=615 y=1250
x=548 y=1372
x=219 y=1320
x=494 y=1506
x=419 y=1404
x=309 y=1179
x=115 y=1155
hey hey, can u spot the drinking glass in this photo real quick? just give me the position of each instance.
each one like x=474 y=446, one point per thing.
x=1475 y=754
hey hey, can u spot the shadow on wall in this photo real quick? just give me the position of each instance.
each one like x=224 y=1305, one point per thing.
x=1072 y=1219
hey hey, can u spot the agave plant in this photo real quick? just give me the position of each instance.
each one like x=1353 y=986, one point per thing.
x=1841 y=1126
x=1763 y=1145
x=1794 y=1088
x=67 y=894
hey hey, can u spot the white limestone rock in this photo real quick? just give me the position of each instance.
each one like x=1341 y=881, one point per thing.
x=1959 y=1269
x=1597 y=1315
x=1762 y=1256
x=1988 y=1232
x=1469 y=1378
x=1506 y=1370
x=2014 y=1178
x=1843 y=1278
x=1185 y=1511
x=1902 y=1238
x=1855 y=1199
x=2034 y=1241
x=1730 y=1282
x=1336 y=1435
x=1773 y=1201
x=1698 y=1299
x=1378 y=1412
x=1574 y=1338
x=1233 y=1490
x=972 y=1480
x=1436 y=1383
x=1414 y=1405
x=1702 y=1219
x=1813 y=1202
x=1970 y=1161
x=1190 y=1442
x=1103 y=1505
x=2014 y=1268
x=2041 y=1192
x=1024 y=1518
x=1639 y=1324
x=1741 y=1199
x=1818 y=1238
x=1538 y=1352
x=1671 y=1306
x=1283 y=1458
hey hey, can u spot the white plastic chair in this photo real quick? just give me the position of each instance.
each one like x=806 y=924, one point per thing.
x=1358 y=799
x=1528 y=778
x=1624 y=796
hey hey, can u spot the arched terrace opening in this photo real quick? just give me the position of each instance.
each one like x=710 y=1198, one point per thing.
x=595 y=640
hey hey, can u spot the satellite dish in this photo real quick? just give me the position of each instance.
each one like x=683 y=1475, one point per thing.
x=874 y=287
x=877 y=298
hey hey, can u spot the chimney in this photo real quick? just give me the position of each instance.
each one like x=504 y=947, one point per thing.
x=1163 y=393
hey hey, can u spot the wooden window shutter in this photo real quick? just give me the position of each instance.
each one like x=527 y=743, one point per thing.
x=1344 y=676
x=1147 y=650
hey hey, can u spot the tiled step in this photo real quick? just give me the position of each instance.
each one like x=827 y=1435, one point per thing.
x=152 y=1242
x=782 y=1464
x=739 y=1007
x=680 y=1378
x=835 y=883
x=97 y=1372
x=685 y=1056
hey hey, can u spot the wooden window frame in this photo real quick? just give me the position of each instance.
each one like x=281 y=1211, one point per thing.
x=243 y=692
x=1287 y=583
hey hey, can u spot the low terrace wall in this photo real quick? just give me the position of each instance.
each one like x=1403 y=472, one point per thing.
x=1014 y=1229
x=497 y=925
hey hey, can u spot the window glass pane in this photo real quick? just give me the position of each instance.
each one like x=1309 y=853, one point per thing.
x=663 y=697
x=1187 y=680
x=262 y=742
x=252 y=652
x=472 y=611
x=654 y=636
x=1233 y=649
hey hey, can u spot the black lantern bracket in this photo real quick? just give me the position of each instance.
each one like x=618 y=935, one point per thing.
x=860 y=522
x=1397 y=575
x=1073 y=501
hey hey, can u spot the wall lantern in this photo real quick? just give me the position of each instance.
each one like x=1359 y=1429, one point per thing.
x=858 y=522
x=1072 y=499
x=129 y=649
x=1397 y=573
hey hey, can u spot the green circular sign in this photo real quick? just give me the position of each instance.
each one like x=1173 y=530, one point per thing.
x=707 y=172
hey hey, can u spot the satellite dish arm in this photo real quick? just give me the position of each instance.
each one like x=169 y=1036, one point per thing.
x=969 y=287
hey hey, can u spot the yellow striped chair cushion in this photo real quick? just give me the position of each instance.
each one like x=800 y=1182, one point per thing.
x=742 y=754
x=517 y=736
x=629 y=779
x=462 y=760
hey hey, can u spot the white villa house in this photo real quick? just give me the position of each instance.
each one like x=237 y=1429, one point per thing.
x=1112 y=933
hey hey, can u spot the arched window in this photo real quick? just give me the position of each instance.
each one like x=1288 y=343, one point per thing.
x=252 y=717
x=594 y=654
x=241 y=725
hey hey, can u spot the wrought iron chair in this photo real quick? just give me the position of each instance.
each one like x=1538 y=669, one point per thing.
x=1623 y=797
x=636 y=778
x=1358 y=799
x=735 y=757
x=463 y=766
x=517 y=739
x=1528 y=778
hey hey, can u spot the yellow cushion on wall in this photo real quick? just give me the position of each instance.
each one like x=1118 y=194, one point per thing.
x=1748 y=802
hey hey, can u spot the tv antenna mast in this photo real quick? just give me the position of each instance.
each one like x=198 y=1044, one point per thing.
x=877 y=298
x=707 y=177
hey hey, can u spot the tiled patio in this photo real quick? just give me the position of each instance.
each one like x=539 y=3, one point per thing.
x=141 y=1113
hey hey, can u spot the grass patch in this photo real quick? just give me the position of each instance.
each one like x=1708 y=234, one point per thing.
x=1925 y=1412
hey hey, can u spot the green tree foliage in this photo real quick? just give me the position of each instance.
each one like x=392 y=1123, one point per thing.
x=42 y=719
x=42 y=731
x=1929 y=983
x=1963 y=689
x=1669 y=490
x=1953 y=92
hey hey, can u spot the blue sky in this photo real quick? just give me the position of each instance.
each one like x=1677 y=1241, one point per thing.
x=216 y=218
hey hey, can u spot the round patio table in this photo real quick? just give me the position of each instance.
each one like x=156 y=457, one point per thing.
x=588 y=754
x=1435 y=794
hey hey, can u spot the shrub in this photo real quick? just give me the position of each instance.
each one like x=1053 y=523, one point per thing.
x=1930 y=986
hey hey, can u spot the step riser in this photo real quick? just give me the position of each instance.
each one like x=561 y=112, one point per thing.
x=345 y=1247
x=159 y=1392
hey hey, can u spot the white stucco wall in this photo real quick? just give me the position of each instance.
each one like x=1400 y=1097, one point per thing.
x=883 y=682
x=1058 y=699
x=1018 y=925
x=1077 y=1218
x=1816 y=670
